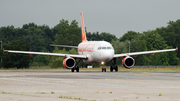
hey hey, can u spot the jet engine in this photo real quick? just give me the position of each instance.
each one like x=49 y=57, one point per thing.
x=69 y=62
x=128 y=62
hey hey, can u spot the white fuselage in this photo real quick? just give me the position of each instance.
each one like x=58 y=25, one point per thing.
x=96 y=51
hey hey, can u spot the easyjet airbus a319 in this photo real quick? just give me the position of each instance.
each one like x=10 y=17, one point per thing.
x=93 y=52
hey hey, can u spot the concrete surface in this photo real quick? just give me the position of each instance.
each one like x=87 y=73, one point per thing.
x=89 y=86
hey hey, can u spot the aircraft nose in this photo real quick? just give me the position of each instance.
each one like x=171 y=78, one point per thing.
x=108 y=55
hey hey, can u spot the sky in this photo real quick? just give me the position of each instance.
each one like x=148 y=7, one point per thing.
x=111 y=16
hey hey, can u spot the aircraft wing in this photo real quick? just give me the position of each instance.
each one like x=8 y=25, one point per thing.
x=50 y=54
x=144 y=52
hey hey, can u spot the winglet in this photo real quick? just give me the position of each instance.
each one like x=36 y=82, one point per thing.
x=176 y=49
x=3 y=51
x=83 y=33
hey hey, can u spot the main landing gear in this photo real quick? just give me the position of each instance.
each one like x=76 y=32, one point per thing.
x=113 y=61
x=76 y=67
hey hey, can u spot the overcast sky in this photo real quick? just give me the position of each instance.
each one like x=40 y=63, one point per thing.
x=112 y=16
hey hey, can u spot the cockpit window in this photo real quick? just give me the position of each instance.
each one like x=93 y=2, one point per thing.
x=99 y=48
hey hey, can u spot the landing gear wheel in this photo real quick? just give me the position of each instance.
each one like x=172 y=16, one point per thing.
x=103 y=69
x=72 y=70
x=113 y=66
x=111 y=69
x=116 y=68
x=77 y=69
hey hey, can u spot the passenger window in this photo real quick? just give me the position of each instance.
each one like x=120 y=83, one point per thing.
x=108 y=47
x=103 y=47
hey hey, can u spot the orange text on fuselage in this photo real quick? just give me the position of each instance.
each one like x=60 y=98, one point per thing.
x=86 y=47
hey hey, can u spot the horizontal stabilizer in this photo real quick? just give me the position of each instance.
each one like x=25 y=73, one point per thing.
x=64 y=46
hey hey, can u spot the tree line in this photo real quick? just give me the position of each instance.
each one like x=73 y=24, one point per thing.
x=33 y=37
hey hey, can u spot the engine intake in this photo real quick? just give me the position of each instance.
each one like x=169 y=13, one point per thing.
x=128 y=62
x=69 y=62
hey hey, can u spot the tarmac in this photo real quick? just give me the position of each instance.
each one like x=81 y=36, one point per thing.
x=33 y=85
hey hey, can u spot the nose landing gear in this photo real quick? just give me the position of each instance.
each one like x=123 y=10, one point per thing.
x=104 y=68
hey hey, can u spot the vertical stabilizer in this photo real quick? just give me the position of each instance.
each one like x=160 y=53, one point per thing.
x=83 y=33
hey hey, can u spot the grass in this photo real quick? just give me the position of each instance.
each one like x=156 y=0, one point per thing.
x=61 y=96
x=160 y=94
x=6 y=93
x=66 y=97
x=52 y=92
x=41 y=93
x=151 y=68
x=76 y=98
x=137 y=97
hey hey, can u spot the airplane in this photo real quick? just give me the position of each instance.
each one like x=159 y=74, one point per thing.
x=93 y=52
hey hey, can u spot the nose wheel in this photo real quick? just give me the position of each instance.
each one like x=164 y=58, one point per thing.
x=103 y=69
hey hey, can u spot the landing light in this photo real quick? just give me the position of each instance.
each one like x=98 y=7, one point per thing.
x=102 y=63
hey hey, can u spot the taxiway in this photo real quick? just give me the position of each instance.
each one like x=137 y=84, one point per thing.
x=31 y=85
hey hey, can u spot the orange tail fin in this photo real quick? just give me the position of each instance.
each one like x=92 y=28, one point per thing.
x=83 y=33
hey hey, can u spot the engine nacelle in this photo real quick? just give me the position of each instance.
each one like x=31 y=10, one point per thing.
x=128 y=62
x=69 y=62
